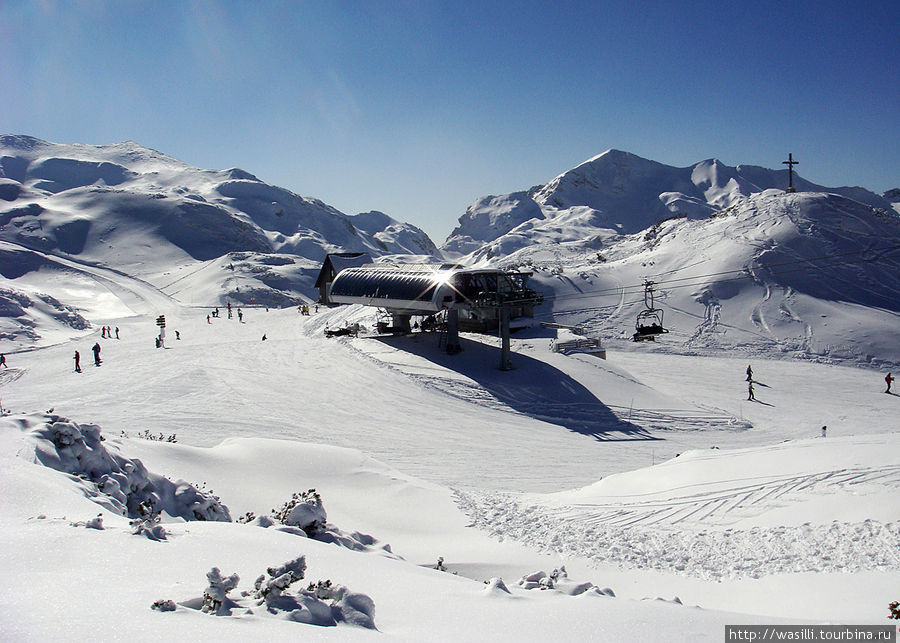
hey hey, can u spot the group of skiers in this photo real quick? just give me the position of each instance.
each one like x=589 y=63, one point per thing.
x=215 y=313
x=97 y=361
x=106 y=332
x=303 y=309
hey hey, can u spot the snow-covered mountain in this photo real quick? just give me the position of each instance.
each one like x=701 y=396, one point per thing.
x=619 y=192
x=740 y=264
x=140 y=212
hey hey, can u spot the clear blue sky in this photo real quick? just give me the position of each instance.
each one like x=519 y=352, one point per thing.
x=418 y=108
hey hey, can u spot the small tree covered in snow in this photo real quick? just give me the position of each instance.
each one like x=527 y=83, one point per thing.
x=303 y=510
x=215 y=596
x=280 y=579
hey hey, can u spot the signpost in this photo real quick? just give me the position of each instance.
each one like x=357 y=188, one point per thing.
x=161 y=322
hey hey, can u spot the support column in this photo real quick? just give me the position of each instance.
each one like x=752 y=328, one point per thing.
x=453 y=346
x=505 y=352
x=401 y=322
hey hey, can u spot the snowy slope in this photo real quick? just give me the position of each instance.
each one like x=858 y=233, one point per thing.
x=805 y=274
x=431 y=454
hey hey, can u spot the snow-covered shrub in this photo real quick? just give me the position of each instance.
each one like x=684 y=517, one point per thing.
x=280 y=578
x=124 y=485
x=496 y=586
x=321 y=603
x=246 y=518
x=148 y=526
x=558 y=580
x=303 y=510
x=94 y=523
x=163 y=605
x=215 y=599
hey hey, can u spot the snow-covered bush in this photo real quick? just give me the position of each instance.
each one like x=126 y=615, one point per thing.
x=163 y=605
x=280 y=578
x=94 y=523
x=123 y=485
x=215 y=599
x=304 y=515
x=558 y=580
x=303 y=510
x=321 y=603
x=148 y=523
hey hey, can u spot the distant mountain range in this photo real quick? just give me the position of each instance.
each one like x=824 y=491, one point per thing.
x=100 y=232
x=619 y=192
x=81 y=199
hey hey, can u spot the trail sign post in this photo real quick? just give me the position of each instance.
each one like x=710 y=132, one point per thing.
x=161 y=322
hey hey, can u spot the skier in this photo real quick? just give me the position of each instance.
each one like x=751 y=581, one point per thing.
x=117 y=332
x=240 y=315
x=3 y=361
x=207 y=320
x=77 y=362
x=749 y=373
x=264 y=337
x=177 y=335
x=823 y=430
x=888 y=379
x=750 y=395
x=103 y=332
x=96 y=349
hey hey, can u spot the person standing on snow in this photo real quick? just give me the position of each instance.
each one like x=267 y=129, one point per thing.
x=96 y=349
x=824 y=428
x=888 y=379
x=117 y=332
x=77 y=362
x=749 y=373
x=3 y=361
x=750 y=395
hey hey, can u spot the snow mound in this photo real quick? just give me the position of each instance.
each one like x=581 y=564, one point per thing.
x=118 y=483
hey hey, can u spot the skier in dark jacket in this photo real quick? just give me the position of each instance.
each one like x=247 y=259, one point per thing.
x=3 y=361
x=96 y=349
x=888 y=379
x=749 y=373
x=77 y=362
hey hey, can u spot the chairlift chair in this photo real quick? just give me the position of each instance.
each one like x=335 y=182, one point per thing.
x=649 y=322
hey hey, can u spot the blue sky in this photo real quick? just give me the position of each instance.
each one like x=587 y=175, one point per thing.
x=418 y=108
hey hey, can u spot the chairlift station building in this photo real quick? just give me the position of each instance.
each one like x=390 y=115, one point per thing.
x=472 y=299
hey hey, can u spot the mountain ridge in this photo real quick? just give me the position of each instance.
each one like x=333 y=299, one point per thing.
x=625 y=193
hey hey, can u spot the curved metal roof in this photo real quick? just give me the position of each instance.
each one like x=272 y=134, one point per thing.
x=411 y=286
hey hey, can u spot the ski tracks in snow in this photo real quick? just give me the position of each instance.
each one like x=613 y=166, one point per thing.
x=690 y=533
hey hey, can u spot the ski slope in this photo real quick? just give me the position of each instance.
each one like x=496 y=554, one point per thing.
x=562 y=461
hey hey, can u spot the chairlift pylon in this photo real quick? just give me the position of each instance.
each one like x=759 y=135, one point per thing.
x=649 y=321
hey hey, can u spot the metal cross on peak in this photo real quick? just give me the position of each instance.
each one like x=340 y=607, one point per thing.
x=791 y=163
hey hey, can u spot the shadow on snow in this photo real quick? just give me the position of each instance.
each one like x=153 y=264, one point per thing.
x=533 y=388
